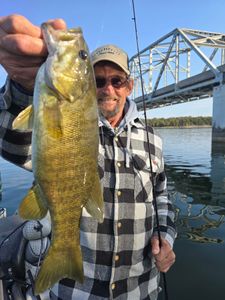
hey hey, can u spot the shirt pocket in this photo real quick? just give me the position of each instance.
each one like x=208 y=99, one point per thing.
x=143 y=177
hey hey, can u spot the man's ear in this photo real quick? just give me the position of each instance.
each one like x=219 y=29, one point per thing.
x=130 y=86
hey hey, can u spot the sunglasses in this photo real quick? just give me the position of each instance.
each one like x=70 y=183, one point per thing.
x=116 y=81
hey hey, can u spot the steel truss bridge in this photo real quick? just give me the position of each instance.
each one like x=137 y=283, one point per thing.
x=184 y=65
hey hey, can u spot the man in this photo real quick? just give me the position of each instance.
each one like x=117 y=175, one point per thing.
x=121 y=257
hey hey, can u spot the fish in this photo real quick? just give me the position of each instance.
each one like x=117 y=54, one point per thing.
x=65 y=140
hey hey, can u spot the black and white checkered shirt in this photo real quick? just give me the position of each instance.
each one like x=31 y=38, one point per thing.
x=117 y=253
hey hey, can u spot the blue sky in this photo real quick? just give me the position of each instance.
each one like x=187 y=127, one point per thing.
x=107 y=21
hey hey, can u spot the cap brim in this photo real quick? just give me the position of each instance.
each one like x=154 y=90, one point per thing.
x=111 y=60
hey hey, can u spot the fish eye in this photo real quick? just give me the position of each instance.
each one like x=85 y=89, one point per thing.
x=83 y=54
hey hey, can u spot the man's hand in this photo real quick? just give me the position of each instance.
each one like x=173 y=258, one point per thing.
x=22 y=48
x=164 y=256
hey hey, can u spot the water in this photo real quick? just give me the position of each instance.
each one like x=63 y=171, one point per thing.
x=196 y=183
x=15 y=183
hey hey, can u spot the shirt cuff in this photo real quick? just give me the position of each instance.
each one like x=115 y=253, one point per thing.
x=169 y=235
x=5 y=96
x=13 y=92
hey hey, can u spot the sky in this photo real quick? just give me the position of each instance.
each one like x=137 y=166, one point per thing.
x=107 y=21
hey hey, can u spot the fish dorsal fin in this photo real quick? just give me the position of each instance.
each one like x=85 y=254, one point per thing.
x=24 y=121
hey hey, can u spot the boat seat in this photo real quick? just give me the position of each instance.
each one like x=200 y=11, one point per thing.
x=12 y=248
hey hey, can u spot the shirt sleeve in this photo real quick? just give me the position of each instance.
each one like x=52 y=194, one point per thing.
x=163 y=204
x=15 y=146
x=165 y=210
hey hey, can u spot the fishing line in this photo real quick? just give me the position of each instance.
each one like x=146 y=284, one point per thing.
x=39 y=228
x=148 y=144
x=32 y=278
x=32 y=284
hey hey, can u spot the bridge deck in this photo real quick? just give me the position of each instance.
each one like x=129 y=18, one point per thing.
x=193 y=88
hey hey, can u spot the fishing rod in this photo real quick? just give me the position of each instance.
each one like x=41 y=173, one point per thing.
x=148 y=144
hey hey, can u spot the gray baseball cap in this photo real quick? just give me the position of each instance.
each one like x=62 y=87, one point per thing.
x=111 y=53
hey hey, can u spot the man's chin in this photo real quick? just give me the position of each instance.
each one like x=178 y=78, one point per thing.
x=108 y=113
x=108 y=107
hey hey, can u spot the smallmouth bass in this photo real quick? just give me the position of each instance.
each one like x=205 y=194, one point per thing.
x=64 y=119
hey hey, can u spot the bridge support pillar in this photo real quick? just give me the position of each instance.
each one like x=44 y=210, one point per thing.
x=218 y=120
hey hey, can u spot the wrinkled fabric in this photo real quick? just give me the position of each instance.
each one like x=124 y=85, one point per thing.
x=117 y=257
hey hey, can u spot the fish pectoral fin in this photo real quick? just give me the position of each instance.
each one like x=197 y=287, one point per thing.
x=58 y=265
x=24 y=121
x=95 y=205
x=52 y=119
x=33 y=205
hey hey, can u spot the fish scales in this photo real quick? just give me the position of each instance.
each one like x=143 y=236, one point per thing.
x=64 y=118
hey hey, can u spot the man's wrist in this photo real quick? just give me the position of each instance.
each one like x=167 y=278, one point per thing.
x=12 y=92
x=5 y=95
x=19 y=95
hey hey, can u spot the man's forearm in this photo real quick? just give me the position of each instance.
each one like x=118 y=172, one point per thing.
x=165 y=210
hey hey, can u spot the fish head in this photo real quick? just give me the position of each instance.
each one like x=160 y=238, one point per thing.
x=68 y=68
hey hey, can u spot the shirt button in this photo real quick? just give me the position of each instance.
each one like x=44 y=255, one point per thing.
x=119 y=193
x=118 y=164
x=117 y=257
x=113 y=286
x=119 y=225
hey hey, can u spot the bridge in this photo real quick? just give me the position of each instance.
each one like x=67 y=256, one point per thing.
x=184 y=65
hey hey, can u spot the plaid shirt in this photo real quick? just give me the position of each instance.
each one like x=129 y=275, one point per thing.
x=117 y=253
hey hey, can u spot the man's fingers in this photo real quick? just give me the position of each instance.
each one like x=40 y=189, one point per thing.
x=58 y=24
x=23 y=45
x=169 y=257
x=164 y=266
x=164 y=263
x=22 y=48
x=20 y=61
x=164 y=255
x=20 y=36
x=14 y=24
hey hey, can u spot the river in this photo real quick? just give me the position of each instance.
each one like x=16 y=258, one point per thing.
x=196 y=184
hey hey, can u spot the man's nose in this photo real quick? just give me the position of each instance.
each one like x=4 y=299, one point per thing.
x=108 y=87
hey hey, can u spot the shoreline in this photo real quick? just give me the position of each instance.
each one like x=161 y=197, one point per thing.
x=183 y=127
x=181 y=122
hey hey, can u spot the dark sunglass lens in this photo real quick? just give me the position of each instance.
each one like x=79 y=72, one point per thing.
x=100 y=82
x=116 y=82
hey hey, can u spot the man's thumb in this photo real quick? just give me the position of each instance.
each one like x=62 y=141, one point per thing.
x=155 y=246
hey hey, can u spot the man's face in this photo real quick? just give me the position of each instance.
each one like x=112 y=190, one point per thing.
x=110 y=95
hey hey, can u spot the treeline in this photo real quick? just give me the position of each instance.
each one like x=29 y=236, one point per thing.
x=180 y=122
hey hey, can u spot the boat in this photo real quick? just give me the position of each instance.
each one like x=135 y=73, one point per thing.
x=15 y=282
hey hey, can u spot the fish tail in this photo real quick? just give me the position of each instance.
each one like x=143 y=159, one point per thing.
x=58 y=265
